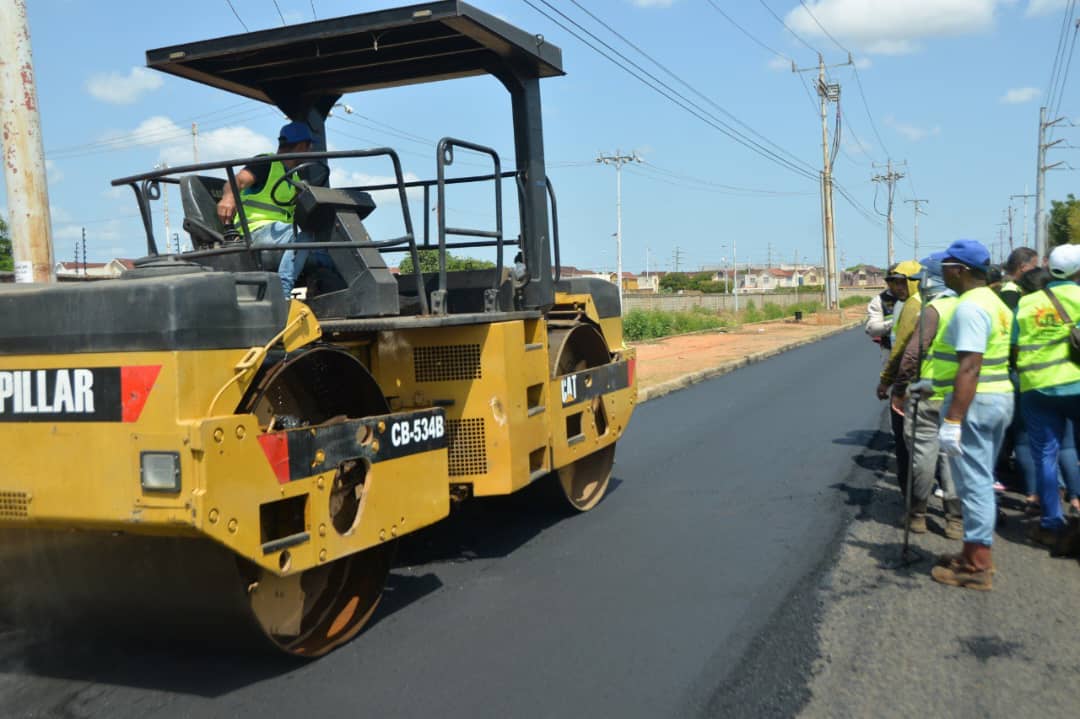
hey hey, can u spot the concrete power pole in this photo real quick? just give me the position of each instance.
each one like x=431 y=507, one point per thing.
x=618 y=160
x=1010 y=227
x=24 y=152
x=917 y=213
x=1025 y=225
x=195 y=142
x=828 y=92
x=1040 y=182
x=889 y=178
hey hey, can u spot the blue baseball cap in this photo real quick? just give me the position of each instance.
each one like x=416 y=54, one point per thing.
x=969 y=252
x=931 y=267
x=294 y=132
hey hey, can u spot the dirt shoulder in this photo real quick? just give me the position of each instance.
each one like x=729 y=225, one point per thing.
x=672 y=363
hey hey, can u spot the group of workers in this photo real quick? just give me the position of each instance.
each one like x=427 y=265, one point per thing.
x=980 y=363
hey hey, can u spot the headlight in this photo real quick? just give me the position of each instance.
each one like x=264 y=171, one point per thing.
x=160 y=471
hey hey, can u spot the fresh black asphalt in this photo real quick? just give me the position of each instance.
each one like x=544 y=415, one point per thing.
x=689 y=591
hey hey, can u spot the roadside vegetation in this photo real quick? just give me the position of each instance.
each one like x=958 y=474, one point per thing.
x=653 y=324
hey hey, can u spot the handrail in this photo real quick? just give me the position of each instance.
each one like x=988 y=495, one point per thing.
x=444 y=156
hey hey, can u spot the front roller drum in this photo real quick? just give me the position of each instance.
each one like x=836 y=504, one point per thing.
x=584 y=481
x=189 y=587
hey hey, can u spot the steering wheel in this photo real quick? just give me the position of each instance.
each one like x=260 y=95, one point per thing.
x=291 y=178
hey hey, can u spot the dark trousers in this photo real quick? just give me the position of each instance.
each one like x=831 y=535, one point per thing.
x=903 y=459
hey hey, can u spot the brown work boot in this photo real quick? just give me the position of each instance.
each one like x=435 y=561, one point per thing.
x=954 y=527
x=917 y=517
x=973 y=569
x=956 y=561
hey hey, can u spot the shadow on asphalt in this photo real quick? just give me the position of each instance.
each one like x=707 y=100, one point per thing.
x=480 y=529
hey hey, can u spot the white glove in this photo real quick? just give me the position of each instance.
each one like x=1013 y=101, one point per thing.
x=921 y=390
x=949 y=438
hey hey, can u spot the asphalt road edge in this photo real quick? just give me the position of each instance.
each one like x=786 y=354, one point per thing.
x=692 y=378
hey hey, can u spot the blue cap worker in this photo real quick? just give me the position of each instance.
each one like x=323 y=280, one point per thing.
x=977 y=409
x=270 y=219
x=1049 y=380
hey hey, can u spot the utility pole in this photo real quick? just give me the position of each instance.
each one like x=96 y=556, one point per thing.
x=24 y=153
x=1040 y=183
x=83 y=254
x=828 y=92
x=618 y=160
x=165 y=208
x=1010 y=227
x=768 y=257
x=917 y=213
x=795 y=274
x=1025 y=196
x=890 y=179
x=735 y=271
x=678 y=256
x=195 y=142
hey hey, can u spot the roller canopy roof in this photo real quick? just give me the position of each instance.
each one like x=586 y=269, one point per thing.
x=386 y=48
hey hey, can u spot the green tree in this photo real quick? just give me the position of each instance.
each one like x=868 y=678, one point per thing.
x=1064 y=224
x=675 y=281
x=7 y=262
x=429 y=262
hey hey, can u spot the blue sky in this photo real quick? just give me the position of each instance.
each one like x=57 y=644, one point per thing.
x=953 y=86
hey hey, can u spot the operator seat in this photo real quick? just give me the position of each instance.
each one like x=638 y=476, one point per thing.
x=199 y=195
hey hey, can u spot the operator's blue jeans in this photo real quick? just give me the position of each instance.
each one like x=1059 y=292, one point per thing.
x=981 y=437
x=1045 y=416
x=292 y=261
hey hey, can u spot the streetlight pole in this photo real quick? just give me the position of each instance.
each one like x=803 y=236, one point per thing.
x=618 y=160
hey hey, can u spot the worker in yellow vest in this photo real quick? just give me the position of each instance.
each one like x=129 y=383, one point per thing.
x=269 y=211
x=1049 y=381
x=977 y=408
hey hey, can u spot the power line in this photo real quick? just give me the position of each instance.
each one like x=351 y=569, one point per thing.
x=747 y=32
x=278 y=8
x=313 y=13
x=717 y=185
x=242 y=23
x=669 y=93
x=793 y=33
x=1055 y=68
x=679 y=79
x=1068 y=64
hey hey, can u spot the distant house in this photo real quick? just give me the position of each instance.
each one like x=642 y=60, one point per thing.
x=88 y=271
x=863 y=276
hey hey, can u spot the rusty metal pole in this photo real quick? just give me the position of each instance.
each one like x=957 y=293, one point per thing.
x=23 y=150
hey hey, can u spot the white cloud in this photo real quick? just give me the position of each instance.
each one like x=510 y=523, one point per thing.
x=120 y=89
x=912 y=132
x=863 y=62
x=54 y=174
x=340 y=177
x=887 y=27
x=654 y=3
x=779 y=64
x=174 y=141
x=1019 y=95
x=1037 y=8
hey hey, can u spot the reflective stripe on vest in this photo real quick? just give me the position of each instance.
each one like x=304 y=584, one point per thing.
x=1042 y=344
x=1010 y=286
x=994 y=375
x=939 y=366
x=260 y=209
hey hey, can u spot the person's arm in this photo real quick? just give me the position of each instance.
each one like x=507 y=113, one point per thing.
x=226 y=207
x=911 y=359
x=905 y=325
x=877 y=325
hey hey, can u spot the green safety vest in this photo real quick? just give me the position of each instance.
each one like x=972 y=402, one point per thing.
x=994 y=375
x=1043 y=340
x=260 y=209
x=941 y=374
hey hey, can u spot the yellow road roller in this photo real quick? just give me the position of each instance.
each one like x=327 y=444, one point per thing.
x=187 y=448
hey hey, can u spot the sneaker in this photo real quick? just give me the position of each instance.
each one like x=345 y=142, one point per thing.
x=964 y=575
x=939 y=493
x=999 y=487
